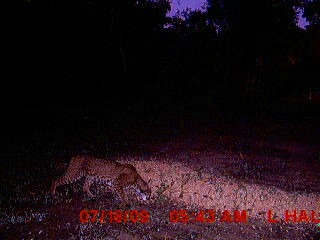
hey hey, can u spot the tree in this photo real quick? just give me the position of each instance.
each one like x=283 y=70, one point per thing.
x=256 y=34
x=69 y=42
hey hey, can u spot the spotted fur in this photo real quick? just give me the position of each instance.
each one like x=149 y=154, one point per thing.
x=106 y=171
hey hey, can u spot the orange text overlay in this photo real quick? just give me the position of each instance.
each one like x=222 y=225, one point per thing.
x=209 y=215
x=110 y=216
x=183 y=215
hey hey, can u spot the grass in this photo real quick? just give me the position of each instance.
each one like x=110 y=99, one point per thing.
x=209 y=170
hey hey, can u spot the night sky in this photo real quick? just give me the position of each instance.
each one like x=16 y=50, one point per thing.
x=183 y=4
x=197 y=4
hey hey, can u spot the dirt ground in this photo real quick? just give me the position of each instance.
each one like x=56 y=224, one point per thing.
x=253 y=166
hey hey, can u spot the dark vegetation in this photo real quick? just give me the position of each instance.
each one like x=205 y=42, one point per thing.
x=123 y=51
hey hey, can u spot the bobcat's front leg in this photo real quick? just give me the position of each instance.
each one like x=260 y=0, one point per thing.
x=120 y=184
x=86 y=187
x=53 y=187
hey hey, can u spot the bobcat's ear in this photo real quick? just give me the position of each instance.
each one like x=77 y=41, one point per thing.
x=149 y=181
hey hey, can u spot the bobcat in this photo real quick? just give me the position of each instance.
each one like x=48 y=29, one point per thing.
x=119 y=176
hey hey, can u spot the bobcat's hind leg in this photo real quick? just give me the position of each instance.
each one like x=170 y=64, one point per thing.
x=86 y=187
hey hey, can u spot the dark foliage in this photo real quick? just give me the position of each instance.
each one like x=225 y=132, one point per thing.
x=130 y=51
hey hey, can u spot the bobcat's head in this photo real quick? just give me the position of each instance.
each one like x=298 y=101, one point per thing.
x=143 y=189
